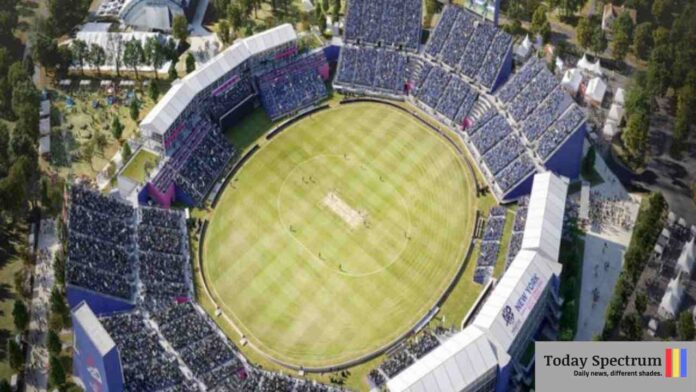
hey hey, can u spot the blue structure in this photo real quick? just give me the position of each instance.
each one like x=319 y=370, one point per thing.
x=96 y=360
x=567 y=160
x=101 y=304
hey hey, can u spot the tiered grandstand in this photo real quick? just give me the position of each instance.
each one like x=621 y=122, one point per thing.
x=130 y=286
x=513 y=124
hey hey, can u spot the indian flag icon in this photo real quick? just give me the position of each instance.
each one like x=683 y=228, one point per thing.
x=675 y=362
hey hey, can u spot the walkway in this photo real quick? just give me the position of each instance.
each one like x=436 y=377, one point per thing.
x=605 y=245
x=37 y=354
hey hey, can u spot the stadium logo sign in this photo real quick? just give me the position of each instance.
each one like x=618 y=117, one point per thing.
x=96 y=382
x=508 y=316
x=514 y=315
x=676 y=362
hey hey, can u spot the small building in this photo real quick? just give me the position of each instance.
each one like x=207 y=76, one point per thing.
x=619 y=96
x=616 y=113
x=590 y=67
x=45 y=126
x=611 y=12
x=522 y=51
x=45 y=108
x=594 y=95
x=571 y=80
x=669 y=305
x=687 y=259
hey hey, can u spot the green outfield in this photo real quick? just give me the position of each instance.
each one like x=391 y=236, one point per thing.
x=339 y=234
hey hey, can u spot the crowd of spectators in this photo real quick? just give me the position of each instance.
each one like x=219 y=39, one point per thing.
x=495 y=57
x=559 y=132
x=218 y=104
x=487 y=116
x=293 y=87
x=163 y=256
x=518 y=170
x=545 y=114
x=101 y=244
x=532 y=95
x=517 y=230
x=491 y=133
x=379 y=69
x=146 y=365
x=520 y=80
x=435 y=83
x=457 y=100
x=476 y=50
x=415 y=348
x=389 y=22
x=506 y=151
x=490 y=245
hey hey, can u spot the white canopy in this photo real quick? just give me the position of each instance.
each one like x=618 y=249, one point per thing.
x=616 y=113
x=584 y=63
x=619 y=98
x=596 y=90
x=687 y=258
x=560 y=64
x=610 y=129
x=545 y=212
x=596 y=68
x=669 y=306
x=571 y=80
x=45 y=126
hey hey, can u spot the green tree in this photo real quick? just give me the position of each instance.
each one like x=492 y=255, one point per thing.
x=153 y=91
x=59 y=266
x=659 y=71
x=100 y=140
x=584 y=32
x=224 y=31
x=5 y=386
x=126 y=152
x=540 y=23
x=53 y=343
x=641 y=303
x=96 y=57
x=180 y=28
x=190 y=63
x=79 y=53
x=642 y=40
x=15 y=354
x=599 y=40
x=56 y=373
x=134 y=109
x=685 y=326
x=235 y=16
x=173 y=74
x=21 y=315
x=635 y=136
x=116 y=128
x=133 y=55
x=662 y=11
x=632 y=328
x=154 y=54
x=87 y=153
x=620 y=45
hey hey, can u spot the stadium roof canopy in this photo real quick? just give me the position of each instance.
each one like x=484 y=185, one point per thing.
x=180 y=95
x=544 y=225
x=451 y=366
x=151 y=14
x=93 y=328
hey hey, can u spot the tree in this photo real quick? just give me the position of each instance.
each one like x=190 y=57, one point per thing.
x=153 y=91
x=116 y=128
x=59 y=267
x=4 y=149
x=641 y=303
x=659 y=70
x=235 y=15
x=224 y=31
x=172 y=74
x=126 y=152
x=336 y=10
x=53 y=343
x=685 y=326
x=190 y=63
x=154 y=54
x=96 y=57
x=79 y=53
x=15 y=354
x=540 y=23
x=88 y=153
x=45 y=50
x=58 y=305
x=134 y=109
x=21 y=315
x=635 y=136
x=662 y=11
x=620 y=45
x=180 y=28
x=599 y=40
x=631 y=327
x=584 y=33
x=133 y=55
x=100 y=140
x=642 y=40
x=56 y=373
x=5 y=386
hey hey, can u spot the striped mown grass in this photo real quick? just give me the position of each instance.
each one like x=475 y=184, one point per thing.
x=339 y=234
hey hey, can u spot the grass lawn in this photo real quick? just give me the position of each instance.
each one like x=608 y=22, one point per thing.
x=249 y=129
x=136 y=166
x=336 y=255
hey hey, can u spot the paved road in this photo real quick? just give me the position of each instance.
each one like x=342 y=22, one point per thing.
x=37 y=354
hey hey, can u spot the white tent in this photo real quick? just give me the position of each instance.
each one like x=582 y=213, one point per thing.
x=523 y=50
x=307 y=6
x=669 y=306
x=595 y=91
x=610 y=129
x=584 y=63
x=560 y=64
x=45 y=126
x=687 y=259
x=571 y=80
x=619 y=98
x=616 y=113
x=596 y=68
